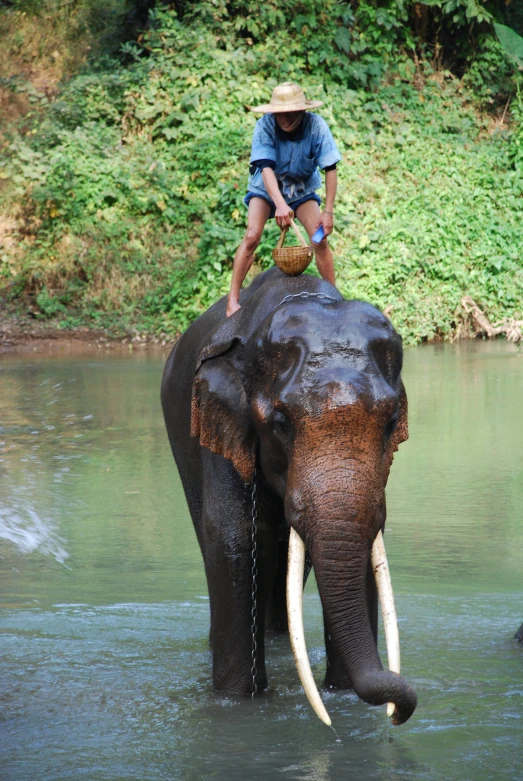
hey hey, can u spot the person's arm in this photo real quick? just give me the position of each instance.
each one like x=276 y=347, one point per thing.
x=282 y=209
x=328 y=156
x=331 y=186
x=263 y=157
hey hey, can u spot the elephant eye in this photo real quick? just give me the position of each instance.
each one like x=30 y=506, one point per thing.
x=390 y=428
x=281 y=423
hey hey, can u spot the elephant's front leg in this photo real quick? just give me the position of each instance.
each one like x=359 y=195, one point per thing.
x=227 y=546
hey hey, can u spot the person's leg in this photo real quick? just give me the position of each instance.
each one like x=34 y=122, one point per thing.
x=258 y=214
x=309 y=215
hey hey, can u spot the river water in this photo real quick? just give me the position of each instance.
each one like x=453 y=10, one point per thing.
x=104 y=663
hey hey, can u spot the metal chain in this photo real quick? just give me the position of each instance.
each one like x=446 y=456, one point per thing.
x=254 y=603
x=305 y=294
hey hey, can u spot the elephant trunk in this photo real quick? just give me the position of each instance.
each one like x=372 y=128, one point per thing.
x=341 y=569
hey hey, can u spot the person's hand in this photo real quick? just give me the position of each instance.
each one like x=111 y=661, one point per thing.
x=327 y=220
x=283 y=215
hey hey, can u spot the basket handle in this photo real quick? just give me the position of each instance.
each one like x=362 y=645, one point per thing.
x=298 y=234
x=283 y=233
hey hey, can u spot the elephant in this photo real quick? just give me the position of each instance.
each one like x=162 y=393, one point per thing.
x=296 y=402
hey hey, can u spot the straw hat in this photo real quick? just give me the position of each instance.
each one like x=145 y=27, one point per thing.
x=287 y=97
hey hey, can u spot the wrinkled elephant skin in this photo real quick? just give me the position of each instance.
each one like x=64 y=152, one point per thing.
x=307 y=389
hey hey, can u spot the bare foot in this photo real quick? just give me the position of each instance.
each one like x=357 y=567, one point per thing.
x=232 y=307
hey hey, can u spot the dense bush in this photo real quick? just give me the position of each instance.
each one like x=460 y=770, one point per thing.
x=128 y=187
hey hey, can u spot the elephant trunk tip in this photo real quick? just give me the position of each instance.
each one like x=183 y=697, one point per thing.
x=404 y=710
x=378 y=688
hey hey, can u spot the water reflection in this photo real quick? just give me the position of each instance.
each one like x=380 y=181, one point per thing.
x=456 y=488
x=104 y=662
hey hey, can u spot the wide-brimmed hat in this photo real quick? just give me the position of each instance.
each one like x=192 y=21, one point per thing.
x=287 y=97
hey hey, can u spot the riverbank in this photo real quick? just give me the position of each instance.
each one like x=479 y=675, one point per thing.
x=27 y=336
x=19 y=334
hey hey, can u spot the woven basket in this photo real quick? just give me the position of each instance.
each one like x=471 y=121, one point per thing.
x=292 y=260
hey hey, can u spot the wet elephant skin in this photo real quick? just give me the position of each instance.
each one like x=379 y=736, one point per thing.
x=306 y=389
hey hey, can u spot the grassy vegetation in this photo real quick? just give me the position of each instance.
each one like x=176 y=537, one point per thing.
x=122 y=189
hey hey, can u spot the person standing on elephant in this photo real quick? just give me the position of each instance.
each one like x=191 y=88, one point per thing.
x=288 y=146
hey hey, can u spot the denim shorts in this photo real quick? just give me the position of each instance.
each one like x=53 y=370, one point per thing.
x=292 y=205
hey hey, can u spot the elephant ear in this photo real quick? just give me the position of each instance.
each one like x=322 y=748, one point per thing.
x=401 y=432
x=220 y=414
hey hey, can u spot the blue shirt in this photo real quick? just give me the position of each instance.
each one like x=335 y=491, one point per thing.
x=297 y=156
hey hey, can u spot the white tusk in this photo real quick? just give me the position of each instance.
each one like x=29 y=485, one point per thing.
x=388 y=610
x=296 y=564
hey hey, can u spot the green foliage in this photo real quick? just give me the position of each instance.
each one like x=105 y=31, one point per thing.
x=425 y=226
x=489 y=75
x=516 y=147
x=512 y=45
x=462 y=12
x=130 y=184
x=460 y=35
x=511 y=42
x=49 y=305
x=73 y=19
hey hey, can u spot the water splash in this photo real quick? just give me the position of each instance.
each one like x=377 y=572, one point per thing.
x=29 y=533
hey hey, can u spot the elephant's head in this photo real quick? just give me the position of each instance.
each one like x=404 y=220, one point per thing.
x=314 y=392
